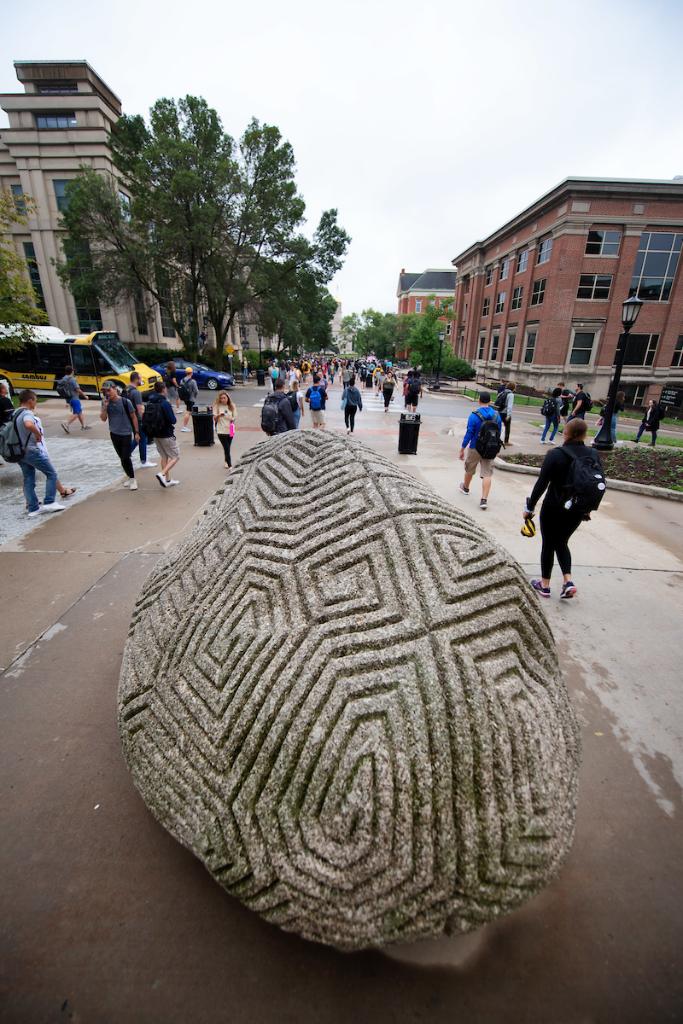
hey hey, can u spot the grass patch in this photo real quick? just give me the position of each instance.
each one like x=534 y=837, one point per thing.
x=665 y=442
x=636 y=465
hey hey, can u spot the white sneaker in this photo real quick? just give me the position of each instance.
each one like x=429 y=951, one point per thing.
x=147 y=465
x=162 y=479
x=133 y=485
x=36 y=512
x=172 y=483
x=185 y=430
x=126 y=482
x=544 y=442
x=53 y=507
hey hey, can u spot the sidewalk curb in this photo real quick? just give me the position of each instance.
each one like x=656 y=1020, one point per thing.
x=616 y=485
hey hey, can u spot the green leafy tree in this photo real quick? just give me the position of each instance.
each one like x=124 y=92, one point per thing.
x=423 y=336
x=212 y=226
x=382 y=334
x=18 y=306
x=299 y=313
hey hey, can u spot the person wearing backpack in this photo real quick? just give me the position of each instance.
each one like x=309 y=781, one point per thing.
x=482 y=437
x=296 y=400
x=119 y=413
x=69 y=389
x=573 y=482
x=551 y=409
x=413 y=391
x=316 y=396
x=134 y=395
x=351 y=402
x=651 y=419
x=277 y=416
x=189 y=392
x=503 y=405
x=159 y=422
x=582 y=404
x=28 y=431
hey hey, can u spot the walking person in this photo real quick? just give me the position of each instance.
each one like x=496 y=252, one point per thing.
x=74 y=394
x=224 y=416
x=567 y=397
x=352 y=401
x=296 y=400
x=316 y=396
x=135 y=395
x=6 y=404
x=414 y=391
x=650 y=421
x=504 y=403
x=277 y=416
x=160 y=421
x=561 y=512
x=551 y=409
x=388 y=386
x=170 y=379
x=482 y=437
x=619 y=406
x=581 y=404
x=189 y=392
x=118 y=411
x=29 y=431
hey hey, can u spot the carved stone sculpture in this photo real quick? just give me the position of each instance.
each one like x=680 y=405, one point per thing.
x=344 y=698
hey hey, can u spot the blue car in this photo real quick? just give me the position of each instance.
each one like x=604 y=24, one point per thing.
x=214 y=380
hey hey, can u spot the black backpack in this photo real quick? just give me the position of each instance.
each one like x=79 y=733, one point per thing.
x=501 y=400
x=585 y=486
x=549 y=407
x=184 y=391
x=270 y=414
x=293 y=397
x=153 y=420
x=488 y=442
x=587 y=402
x=414 y=388
x=62 y=389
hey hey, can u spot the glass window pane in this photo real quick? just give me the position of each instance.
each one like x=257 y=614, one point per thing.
x=661 y=241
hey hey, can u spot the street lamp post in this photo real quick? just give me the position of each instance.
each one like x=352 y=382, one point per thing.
x=436 y=386
x=630 y=309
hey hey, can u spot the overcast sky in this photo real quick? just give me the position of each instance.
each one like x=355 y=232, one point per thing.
x=427 y=124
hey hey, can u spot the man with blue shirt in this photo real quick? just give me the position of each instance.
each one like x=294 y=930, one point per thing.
x=482 y=437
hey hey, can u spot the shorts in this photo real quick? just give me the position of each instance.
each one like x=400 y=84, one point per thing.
x=189 y=404
x=167 y=447
x=318 y=417
x=474 y=459
x=76 y=406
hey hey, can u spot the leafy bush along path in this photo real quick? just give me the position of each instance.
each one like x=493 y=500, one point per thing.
x=636 y=465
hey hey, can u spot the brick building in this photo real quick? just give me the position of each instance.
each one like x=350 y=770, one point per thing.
x=539 y=300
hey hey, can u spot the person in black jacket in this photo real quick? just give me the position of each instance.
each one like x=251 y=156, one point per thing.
x=557 y=522
x=650 y=421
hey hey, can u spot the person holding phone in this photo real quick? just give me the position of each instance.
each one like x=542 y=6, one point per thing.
x=224 y=416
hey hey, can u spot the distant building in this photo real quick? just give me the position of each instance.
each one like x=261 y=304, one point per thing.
x=539 y=300
x=340 y=341
x=417 y=292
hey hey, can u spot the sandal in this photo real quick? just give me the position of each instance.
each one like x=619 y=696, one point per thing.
x=67 y=492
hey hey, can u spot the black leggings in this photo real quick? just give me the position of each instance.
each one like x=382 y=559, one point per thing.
x=122 y=444
x=388 y=395
x=226 y=441
x=557 y=526
x=350 y=416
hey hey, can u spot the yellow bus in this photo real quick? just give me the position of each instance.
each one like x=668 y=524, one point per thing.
x=95 y=357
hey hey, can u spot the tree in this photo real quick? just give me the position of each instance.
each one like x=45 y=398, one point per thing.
x=423 y=336
x=18 y=306
x=210 y=224
x=382 y=334
x=299 y=313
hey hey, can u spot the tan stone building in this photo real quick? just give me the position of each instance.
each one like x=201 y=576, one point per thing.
x=59 y=123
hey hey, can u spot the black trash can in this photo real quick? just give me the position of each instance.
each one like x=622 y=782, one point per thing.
x=368 y=381
x=261 y=378
x=408 y=433
x=202 y=425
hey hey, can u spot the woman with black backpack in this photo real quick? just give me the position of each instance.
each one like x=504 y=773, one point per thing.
x=571 y=478
x=351 y=402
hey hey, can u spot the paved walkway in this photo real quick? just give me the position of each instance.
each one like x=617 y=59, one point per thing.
x=106 y=918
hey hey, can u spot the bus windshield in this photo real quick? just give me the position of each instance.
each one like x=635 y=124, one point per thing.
x=116 y=354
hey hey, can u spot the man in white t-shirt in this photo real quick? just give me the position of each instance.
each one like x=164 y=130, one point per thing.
x=30 y=431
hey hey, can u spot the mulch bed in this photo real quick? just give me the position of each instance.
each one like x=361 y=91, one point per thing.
x=661 y=467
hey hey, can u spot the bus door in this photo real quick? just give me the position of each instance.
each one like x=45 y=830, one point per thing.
x=81 y=358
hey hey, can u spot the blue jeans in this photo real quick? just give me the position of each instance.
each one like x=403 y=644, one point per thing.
x=33 y=460
x=143 y=445
x=614 y=429
x=555 y=424
x=297 y=418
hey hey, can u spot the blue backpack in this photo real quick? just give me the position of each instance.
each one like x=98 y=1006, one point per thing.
x=315 y=399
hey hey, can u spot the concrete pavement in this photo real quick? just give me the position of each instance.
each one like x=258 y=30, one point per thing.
x=105 y=917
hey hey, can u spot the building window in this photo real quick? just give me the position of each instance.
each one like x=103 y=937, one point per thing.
x=56 y=120
x=517 y=298
x=495 y=338
x=545 y=250
x=510 y=347
x=432 y=302
x=582 y=348
x=449 y=327
x=634 y=394
x=641 y=349
x=58 y=89
x=522 y=261
x=141 y=314
x=59 y=185
x=538 y=292
x=677 y=357
x=482 y=346
x=486 y=306
x=418 y=305
x=89 y=319
x=87 y=306
x=603 y=243
x=18 y=197
x=529 y=346
x=500 y=302
x=125 y=205
x=656 y=263
x=505 y=268
x=489 y=275
x=594 y=286
x=167 y=324
x=34 y=274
